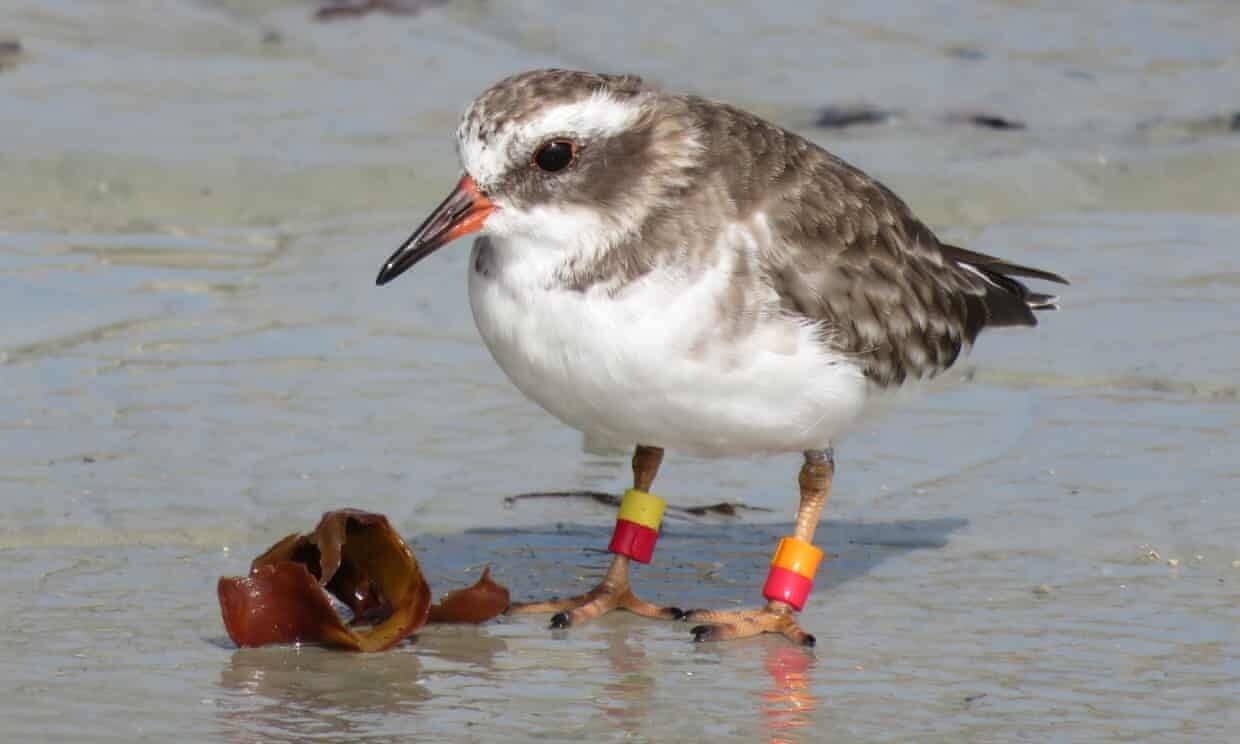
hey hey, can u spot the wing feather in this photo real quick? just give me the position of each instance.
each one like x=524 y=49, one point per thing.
x=851 y=256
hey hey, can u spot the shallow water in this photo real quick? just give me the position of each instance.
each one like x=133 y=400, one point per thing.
x=194 y=200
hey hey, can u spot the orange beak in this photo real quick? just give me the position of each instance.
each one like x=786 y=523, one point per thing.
x=462 y=213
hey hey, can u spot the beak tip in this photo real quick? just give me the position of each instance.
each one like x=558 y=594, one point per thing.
x=388 y=272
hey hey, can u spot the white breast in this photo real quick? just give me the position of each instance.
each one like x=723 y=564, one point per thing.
x=653 y=364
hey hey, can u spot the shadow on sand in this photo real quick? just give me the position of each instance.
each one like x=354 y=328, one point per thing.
x=697 y=564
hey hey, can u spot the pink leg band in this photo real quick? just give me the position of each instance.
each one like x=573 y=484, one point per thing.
x=783 y=585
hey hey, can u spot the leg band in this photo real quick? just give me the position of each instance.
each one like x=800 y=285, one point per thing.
x=792 y=572
x=637 y=525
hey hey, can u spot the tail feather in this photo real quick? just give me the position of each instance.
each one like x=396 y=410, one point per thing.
x=1042 y=301
x=1007 y=301
x=998 y=265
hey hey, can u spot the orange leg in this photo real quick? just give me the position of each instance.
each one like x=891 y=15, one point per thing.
x=614 y=591
x=776 y=617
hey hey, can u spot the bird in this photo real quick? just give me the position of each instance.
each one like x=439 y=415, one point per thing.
x=674 y=272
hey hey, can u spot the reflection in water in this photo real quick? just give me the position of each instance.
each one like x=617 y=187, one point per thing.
x=786 y=705
x=626 y=700
x=287 y=694
x=469 y=648
x=790 y=703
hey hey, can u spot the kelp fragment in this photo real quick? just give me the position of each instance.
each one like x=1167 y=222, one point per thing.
x=474 y=604
x=723 y=508
x=359 y=559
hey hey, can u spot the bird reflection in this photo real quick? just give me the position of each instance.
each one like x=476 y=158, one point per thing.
x=628 y=698
x=789 y=705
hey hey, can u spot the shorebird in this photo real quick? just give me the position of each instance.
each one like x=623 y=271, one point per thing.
x=671 y=271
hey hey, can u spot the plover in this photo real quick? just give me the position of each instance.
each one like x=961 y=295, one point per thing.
x=672 y=271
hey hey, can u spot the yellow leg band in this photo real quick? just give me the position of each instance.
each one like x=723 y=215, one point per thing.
x=797 y=556
x=642 y=508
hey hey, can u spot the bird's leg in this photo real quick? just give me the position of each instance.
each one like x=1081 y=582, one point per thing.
x=798 y=558
x=614 y=590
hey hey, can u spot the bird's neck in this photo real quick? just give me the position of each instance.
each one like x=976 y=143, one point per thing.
x=552 y=248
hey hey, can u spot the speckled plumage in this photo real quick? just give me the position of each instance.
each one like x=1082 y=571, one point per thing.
x=843 y=251
x=693 y=276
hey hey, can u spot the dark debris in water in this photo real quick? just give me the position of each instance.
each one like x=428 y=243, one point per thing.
x=606 y=499
x=842 y=116
x=10 y=53
x=987 y=120
x=337 y=9
x=723 y=508
x=966 y=53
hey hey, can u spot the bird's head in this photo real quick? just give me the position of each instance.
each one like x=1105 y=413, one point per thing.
x=554 y=155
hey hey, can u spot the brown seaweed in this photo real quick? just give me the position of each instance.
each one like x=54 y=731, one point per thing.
x=336 y=9
x=354 y=556
x=473 y=604
x=723 y=508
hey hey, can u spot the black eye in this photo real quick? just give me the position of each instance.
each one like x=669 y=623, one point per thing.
x=555 y=155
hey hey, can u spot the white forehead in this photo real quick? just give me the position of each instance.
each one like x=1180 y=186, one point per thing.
x=596 y=116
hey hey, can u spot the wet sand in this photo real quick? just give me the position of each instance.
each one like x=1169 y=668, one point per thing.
x=195 y=198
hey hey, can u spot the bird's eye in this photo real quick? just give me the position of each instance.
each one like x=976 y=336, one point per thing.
x=555 y=155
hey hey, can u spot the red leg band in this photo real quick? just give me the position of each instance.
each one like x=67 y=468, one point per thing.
x=783 y=585
x=634 y=540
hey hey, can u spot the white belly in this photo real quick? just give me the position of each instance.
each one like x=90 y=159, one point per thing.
x=651 y=365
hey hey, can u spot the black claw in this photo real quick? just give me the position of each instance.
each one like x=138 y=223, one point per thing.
x=560 y=620
x=809 y=640
x=677 y=613
x=701 y=633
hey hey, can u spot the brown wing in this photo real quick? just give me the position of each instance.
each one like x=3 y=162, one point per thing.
x=852 y=256
x=886 y=289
